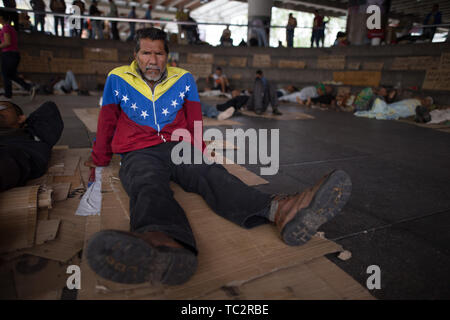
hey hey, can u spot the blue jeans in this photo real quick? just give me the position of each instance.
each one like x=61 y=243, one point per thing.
x=145 y=176
x=68 y=84
x=209 y=110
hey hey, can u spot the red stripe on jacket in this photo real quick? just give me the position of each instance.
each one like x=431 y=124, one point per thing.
x=116 y=133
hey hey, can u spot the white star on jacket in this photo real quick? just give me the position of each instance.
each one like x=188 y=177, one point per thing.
x=174 y=103
x=134 y=106
x=144 y=114
x=116 y=92
x=182 y=95
x=187 y=88
x=165 y=112
x=125 y=98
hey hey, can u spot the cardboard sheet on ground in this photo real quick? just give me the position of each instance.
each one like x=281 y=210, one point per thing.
x=285 y=116
x=70 y=237
x=318 y=279
x=227 y=253
x=18 y=218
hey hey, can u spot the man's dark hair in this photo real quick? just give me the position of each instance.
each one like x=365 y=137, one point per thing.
x=18 y=110
x=219 y=68
x=152 y=34
x=259 y=72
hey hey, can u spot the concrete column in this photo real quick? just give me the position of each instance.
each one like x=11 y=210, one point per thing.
x=357 y=19
x=259 y=16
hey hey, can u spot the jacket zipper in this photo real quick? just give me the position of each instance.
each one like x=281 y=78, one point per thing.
x=153 y=100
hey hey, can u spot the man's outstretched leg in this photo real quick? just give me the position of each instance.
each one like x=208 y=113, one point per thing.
x=297 y=216
x=160 y=247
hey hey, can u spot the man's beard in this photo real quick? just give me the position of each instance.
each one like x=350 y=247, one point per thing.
x=153 y=77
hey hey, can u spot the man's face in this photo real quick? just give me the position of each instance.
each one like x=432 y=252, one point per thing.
x=9 y=117
x=219 y=72
x=151 y=58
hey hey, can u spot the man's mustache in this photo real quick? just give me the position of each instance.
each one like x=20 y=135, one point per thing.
x=152 y=68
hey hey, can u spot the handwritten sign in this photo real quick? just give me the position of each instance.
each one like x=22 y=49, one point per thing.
x=358 y=78
x=292 y=64
x=240 y=62
x=101 y=54
x=200 y=58
x=199 y=70
x=373 y=65
x=261 y=61
x=331 y=62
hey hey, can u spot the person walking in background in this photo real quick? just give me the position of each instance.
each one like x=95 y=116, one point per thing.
x=290 y=29
x=114 y=13
x=132 y=15
x=11 y=57
x=39 y=18
x=58 y=6
x=97 y=31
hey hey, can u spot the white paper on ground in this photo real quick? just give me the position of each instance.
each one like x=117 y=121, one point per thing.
x=438 y=116
x=91 y=202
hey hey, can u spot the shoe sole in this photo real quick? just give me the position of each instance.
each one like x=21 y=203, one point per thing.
x=121 y=257
x=328 y=201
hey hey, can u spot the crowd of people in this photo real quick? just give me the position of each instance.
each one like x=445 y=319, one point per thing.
x=403 y=31
x=86 y=28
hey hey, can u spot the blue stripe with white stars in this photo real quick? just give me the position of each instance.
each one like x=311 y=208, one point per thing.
x=139 y=108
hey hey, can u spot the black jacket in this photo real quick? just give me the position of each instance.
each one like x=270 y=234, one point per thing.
x=36 y=139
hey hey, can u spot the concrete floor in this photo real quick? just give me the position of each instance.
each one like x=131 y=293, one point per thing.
x=398 y=217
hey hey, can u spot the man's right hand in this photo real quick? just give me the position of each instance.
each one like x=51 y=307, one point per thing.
x=90 y=163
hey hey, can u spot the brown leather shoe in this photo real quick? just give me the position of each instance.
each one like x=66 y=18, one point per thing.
x=300 y=215
x=131 y=258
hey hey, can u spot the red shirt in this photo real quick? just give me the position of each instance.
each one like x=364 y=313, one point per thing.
x=13 y=35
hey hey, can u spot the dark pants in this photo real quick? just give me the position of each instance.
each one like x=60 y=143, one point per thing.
x=262 y=95
x=237 y=102
x=145 y=175
x=39 y=19
x=10 y=62
x=315 y=37
x=115 y=31
x=59 y=20
x=290 y=38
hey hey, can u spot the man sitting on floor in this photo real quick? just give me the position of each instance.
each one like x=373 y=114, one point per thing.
x=219 y=81
x=26 y=143
x=145 y=107
x=263 y=93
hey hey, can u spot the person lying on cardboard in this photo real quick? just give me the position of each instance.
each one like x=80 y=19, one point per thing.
x=26 y=143
x=143 y=104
